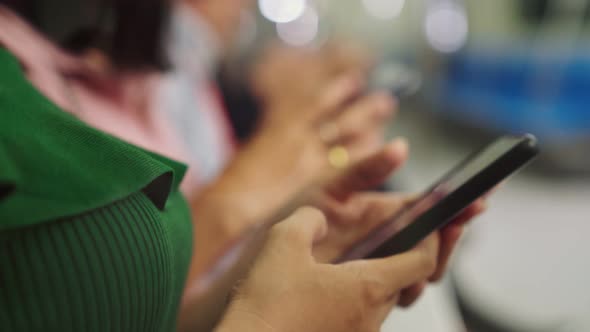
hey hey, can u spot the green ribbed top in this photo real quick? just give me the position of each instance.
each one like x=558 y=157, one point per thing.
x=94 y=234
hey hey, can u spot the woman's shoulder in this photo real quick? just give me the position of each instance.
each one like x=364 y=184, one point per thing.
x=55 y=166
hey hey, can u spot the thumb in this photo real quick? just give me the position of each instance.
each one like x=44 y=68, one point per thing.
x=301 y=230
x=370 y=172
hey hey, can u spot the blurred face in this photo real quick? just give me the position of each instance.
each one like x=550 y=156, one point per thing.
x=223 y=15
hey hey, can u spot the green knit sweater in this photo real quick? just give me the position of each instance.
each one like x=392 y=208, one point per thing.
x=94 y=234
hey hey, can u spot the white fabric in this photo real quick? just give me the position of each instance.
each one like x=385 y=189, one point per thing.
x=188 y=96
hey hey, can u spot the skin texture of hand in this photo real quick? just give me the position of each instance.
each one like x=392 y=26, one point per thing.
x=288 y=290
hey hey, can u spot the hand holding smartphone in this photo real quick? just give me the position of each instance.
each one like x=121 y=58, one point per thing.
x=447 y=198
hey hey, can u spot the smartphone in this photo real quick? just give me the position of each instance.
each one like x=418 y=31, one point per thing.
x=447 y=198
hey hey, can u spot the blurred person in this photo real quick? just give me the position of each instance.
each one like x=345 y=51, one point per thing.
x=203 y=33
x=95 y=234
x=116 y=101
x=256 y=168
x=77 y=241
x=284 y=143
x=57 y=76
x=226 y=209
x=287 y=158
x=188 y=95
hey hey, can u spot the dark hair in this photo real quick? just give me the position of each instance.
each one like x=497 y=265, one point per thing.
x=130 y=32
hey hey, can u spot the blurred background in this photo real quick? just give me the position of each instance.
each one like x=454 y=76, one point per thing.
x=466 y=71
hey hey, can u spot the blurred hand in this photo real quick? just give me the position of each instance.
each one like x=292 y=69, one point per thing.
x=283 y=74
x=285 y=159
x=288 y=290
x=288 y=80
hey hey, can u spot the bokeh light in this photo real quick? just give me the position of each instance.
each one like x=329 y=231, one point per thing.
x=301 y=31
x=282 y=11
x=446 y=27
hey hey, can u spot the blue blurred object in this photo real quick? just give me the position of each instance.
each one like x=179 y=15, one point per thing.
x=515 y=92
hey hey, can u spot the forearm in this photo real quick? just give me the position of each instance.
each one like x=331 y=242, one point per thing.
x=254 y=189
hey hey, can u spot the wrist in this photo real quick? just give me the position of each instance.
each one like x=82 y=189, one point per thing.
x=261 y=181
